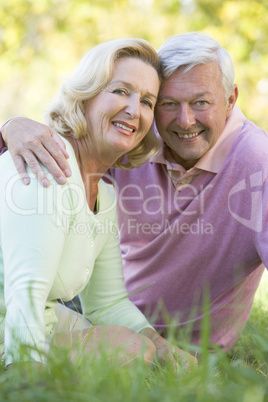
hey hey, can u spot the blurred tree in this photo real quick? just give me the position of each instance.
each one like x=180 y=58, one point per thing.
x=41 y=41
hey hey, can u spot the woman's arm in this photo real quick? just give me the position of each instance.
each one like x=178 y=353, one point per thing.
x=31 y=142
x=31 y=245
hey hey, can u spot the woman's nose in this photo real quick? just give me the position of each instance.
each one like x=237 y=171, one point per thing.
x=133 y=107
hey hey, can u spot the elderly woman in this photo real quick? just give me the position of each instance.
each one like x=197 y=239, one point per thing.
x=58 y=242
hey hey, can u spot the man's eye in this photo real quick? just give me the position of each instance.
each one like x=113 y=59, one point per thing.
x=167 y=104
x=201 y=102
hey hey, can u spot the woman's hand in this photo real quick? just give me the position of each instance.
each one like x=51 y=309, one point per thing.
x=116 y=342
x=170 y=354
x=31 y=142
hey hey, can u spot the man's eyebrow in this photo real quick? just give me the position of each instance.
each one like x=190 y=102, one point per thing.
x=165 y=97
x=198 y=94
x=130 y=85
x=194 y=95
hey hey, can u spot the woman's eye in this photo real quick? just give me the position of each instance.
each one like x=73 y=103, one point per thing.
x=148 y=103
x=120 y=91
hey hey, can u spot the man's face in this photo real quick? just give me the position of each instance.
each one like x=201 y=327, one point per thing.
x=192 y=111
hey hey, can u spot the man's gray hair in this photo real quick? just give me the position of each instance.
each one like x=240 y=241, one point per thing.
x=193 y=48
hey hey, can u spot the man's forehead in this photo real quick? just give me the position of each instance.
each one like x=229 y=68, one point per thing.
x=184 y=71
x=202 y=78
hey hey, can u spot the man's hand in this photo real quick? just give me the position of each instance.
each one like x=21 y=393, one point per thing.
x=170 y=354
x=31 y=142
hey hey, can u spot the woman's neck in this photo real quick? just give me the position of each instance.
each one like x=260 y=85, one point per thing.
x=91 y=167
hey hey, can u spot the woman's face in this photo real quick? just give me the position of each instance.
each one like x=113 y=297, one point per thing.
x=119 y=117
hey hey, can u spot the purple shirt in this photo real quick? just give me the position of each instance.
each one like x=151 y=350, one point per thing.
x=184 y=233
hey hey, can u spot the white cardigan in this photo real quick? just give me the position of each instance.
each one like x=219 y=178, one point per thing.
x=53 y=247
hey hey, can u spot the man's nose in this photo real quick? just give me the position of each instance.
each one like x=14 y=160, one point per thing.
x=185 y=117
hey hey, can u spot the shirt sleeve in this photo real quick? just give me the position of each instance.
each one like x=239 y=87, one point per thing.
x=105 y=299
x=3 y=148
x=31 y=244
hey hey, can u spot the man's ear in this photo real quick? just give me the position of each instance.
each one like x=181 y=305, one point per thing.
x=232 y=100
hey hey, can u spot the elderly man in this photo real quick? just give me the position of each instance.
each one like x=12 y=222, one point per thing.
x=194 y=219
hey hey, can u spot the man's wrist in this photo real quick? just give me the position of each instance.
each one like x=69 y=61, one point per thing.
x=3 y=146
x=2 y=131
x=3 y=141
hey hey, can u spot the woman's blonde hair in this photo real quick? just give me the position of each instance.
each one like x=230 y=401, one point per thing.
x=92 y=75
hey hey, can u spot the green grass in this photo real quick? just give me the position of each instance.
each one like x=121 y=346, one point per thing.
x=240 y=375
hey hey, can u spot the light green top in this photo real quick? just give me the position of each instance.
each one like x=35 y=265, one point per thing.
x=53 y=247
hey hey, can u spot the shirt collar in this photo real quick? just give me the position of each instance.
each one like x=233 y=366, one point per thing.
x=214 y=159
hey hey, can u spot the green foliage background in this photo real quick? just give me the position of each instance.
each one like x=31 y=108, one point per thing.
x=41 y=41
